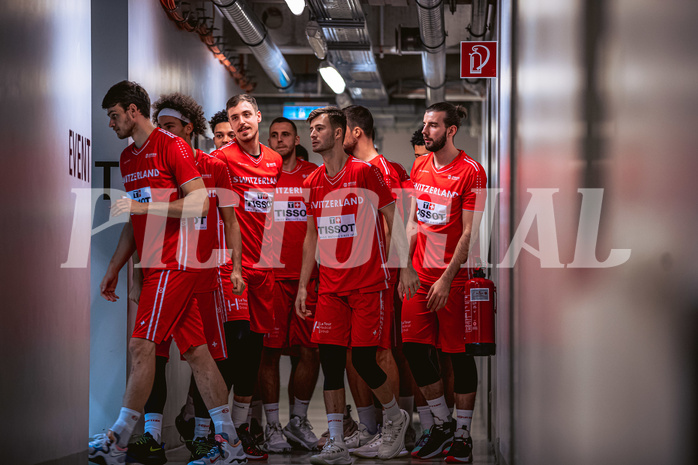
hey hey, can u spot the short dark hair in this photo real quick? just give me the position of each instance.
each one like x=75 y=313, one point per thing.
x=336 y=116
x=235 y=100
x=282 y=119
x=301 y=152
x=220 y=117
x=361 y=117
x=125 y=93
x=184 y=104
x=454 y=113
x=417 y=138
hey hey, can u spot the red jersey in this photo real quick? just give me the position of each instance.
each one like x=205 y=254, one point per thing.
x=441 y=197
x=290 y=220
x=211 y=229
x=254 y=180
x=392 y=180
x=351 y=237
x=402 y=192
x=154 y=173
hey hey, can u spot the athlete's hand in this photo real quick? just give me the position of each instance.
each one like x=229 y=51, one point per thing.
x=127 y=205
x=409 y=283
x=301 y=310
x=238 y=282
x=108 y=286
x=438 y=294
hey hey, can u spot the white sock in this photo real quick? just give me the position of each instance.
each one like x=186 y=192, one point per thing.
x=202 y=426
x=392 y=411
x=407 y=404
x=124 y=425
x=426 y=419
x=335 y=422
x=272 y=412
x=153 y=425
x=256 y=411
x=440 y=410
x=367 y=417
x=300 y=407
x=240 y=411
x=464 y=419
x=223 y=423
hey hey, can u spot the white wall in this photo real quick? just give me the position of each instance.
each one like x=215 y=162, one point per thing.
x=44 y=334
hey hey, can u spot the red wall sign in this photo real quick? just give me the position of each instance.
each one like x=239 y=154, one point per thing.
x=478 y=59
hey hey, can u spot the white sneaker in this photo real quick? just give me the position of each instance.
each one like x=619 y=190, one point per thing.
x=224 y=453
x=274 y=440
x=360 y=438
x=332 y=453
x=393 y=436
x=300 y=431
x=102 y=450
x=370 y=449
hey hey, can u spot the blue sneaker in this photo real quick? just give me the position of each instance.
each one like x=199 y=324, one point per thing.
x=223 y=453
x=103 y=451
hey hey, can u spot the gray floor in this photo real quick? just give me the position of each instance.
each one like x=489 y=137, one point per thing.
x=482 y=454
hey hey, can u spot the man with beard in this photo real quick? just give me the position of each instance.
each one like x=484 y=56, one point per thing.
x=164 y=186
x=290 y=332
x=255 y=170
x=345 y=196
x=448 y=200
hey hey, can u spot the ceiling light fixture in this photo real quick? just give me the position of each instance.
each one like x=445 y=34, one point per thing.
x=332 y=77
x=296 y=6
x=316 y=39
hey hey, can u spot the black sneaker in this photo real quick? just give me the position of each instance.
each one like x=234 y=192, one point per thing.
x=461 y=450
x=201 y=447
x=440 y=436
x=146 y=450
x=185 y=428
x=257 y=432
x=252 y=451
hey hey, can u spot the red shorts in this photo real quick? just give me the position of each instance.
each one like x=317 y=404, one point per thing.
x=212 y=311
x=289 y=329
x=235 y=306
x=260 y=292
x=354 y=320
x=166 y=308
x=444 y=328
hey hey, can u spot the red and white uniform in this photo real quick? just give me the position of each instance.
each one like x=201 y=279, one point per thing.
x=288 y=234
x=254 y=180
x=154 y=173
x=441 y=195
x=351 y=243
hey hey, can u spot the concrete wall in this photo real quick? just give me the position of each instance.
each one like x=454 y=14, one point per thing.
x=44 y=335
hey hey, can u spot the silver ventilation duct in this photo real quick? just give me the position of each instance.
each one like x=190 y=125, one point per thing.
x=343 y=26
x=433 y=35
x=478 y=24
x=254 y=35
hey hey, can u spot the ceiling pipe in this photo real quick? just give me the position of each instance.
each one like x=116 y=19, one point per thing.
x=478 y=22
x=254 y=35
x=433 y=35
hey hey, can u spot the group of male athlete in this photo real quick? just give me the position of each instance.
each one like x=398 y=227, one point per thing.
x=251 y=252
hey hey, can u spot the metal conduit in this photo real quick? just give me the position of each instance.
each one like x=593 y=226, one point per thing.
x=433 y=35
x=254 y=35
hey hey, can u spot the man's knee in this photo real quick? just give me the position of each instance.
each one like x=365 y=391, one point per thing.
x=464 y=373
x=364 y=360
x=141 y=348
x=424 y=371
x=333 y=360
x=196 y=354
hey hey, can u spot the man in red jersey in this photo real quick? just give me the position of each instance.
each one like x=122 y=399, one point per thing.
x=449 y=196
x=255 y=170
x=359 y=143
x=418 y=144
x=162 y=183
x=290 y=331
x=345 y=196
x=222 y=131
